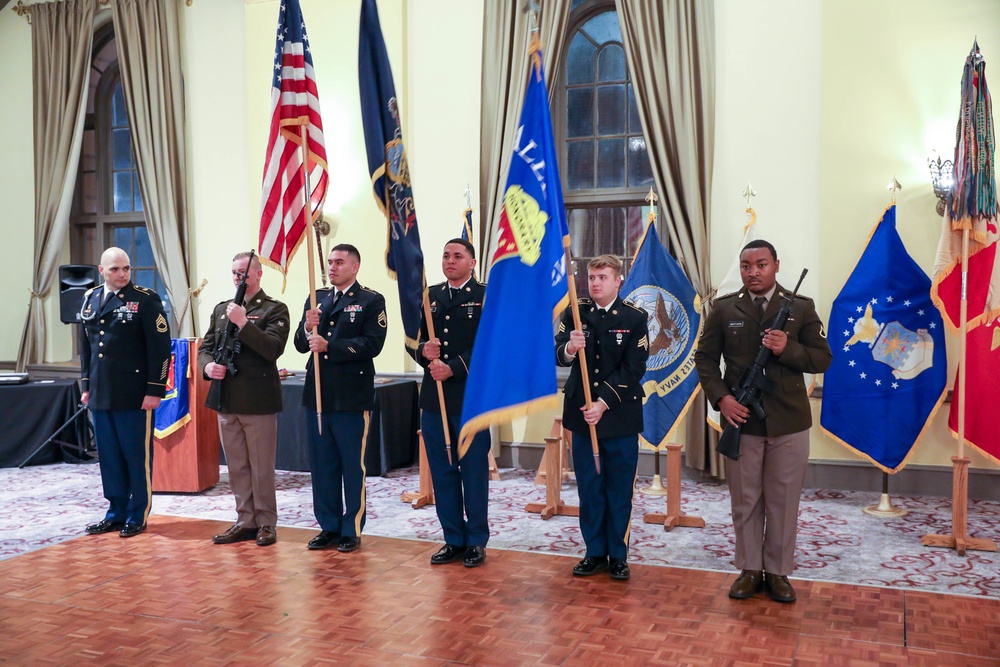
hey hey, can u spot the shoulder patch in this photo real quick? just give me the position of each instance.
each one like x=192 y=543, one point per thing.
x=161 y=324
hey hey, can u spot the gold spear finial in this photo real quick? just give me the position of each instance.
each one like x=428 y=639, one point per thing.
x=892 y=187
x=652 y=199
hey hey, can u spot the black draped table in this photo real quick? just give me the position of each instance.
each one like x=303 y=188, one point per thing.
x=392 y=431
x=30 y=413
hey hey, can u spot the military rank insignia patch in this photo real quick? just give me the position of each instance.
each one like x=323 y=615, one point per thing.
x=161 y=324
x=381 y=319
x=644 y=343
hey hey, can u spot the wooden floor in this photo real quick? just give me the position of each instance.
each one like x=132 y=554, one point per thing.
x=171 y=597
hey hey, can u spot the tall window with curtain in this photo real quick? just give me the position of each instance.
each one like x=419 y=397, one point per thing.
x=605 y=165
x=107 y=203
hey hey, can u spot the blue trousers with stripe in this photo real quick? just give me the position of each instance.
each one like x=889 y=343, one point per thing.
x=337 y=459
x=462 y=487
x=606 y=499
x=125 y=449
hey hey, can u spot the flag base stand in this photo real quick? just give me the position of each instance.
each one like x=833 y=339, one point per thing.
x=675 y=516
x=654 y=489
x=958 y=539
x=494 y=469
x=885 y=509
x=425 y=496
x=566 y=474
x=555 y=447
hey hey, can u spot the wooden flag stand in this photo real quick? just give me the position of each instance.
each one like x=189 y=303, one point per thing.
x=555 y=454
x=674 y=516
x=425 y=494
x=959 y=540
x=566 y=474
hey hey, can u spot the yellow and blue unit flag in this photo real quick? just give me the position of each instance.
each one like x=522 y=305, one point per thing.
x=513 y=369
x=467 y=226
x=175 y=410
x=657 y=284
x=389 y=169
x=890 y=368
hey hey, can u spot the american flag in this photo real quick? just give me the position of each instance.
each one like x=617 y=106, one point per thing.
x=294 y=103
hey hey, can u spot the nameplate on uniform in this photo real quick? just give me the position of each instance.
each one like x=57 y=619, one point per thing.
x=734 y=323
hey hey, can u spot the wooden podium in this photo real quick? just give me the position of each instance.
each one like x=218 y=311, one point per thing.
x=187 y=460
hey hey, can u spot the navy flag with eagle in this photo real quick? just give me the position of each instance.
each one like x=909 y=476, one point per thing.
x=657 y=284
x=389 y=170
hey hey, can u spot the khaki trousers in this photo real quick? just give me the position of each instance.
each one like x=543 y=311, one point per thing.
x=765 y=485
x=251 y=444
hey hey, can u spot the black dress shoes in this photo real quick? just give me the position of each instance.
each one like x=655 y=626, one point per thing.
x=103 y=526
x=348 y=544
x=474 y=556
x=590 y=565
x=325 y=540
x=779 y=588
x=447 y=554
x=132 y=529
x=618 y=569
x=236 y=533
x=266 y=536
x=748 y=584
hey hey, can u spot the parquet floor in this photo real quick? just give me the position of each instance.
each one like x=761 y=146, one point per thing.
x=171 y=597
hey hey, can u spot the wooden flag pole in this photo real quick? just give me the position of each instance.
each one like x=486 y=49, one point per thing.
x=304 y=148
x=440 y=387
x=959 y=540
x=578 y=325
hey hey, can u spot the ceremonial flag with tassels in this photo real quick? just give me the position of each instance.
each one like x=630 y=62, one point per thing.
x=889 y=370
x=390 y=172
x=657 y=284
x=513 y=369
x=284 y=216
x=982 y=358
x=174 y=410
x=972 y=205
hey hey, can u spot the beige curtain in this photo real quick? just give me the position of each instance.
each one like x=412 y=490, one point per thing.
x=670 y=49
x=505 y=77
x=61 y=37
x=149 y=56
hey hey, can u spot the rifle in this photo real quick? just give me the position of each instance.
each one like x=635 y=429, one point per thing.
x=228 y=346
x=754 y=383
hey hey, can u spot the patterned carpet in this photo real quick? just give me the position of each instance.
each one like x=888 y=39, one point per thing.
x=45 y=505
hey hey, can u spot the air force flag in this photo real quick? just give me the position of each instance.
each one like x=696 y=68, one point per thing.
x=658 y=285
x=889 y=366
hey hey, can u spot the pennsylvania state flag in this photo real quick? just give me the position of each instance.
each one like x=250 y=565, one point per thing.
x=657 y=284
x=889 y=366
x=513 y=369
x=390 y=172
x=175 y=410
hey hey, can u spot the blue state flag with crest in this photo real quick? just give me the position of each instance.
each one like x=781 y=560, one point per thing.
x=513 y=368
x=174 y=410
x=889 y=370
x=390 y=172
x=657 y=284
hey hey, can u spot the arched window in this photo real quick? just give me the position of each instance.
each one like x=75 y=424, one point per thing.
x=107 y=203
x=605 y=165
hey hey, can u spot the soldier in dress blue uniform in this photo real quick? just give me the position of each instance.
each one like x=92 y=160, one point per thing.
x=614 y=338
x=461 y=486
x=124 y=360
x=351 y=327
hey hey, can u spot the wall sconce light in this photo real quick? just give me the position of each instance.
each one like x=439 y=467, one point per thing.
x=942 y=179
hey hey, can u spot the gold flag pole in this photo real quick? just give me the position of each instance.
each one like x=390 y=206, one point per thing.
x=656 y=488
x=307 y=193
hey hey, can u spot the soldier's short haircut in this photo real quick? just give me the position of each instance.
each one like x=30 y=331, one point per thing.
x=349 y=249
x=471 y=249
x=761 y=243
x=254 y=263
x=606 y=262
